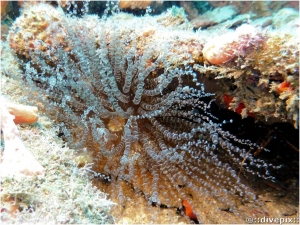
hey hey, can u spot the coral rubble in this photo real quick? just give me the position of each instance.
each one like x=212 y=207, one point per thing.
x=129 y=90
x=63 y=194
x=16 y=159
x=256 y=61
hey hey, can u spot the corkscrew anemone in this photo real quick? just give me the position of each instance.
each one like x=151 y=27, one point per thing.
x=147 y=124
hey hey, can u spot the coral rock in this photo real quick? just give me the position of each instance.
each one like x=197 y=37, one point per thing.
x=134 y=4
x=223 y=48
x=216 y=16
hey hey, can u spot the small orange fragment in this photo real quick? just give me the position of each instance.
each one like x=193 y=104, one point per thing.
x=239 y=108
x=23 y=113
x=188 y=210
x=227 y=99
x=284 y=86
